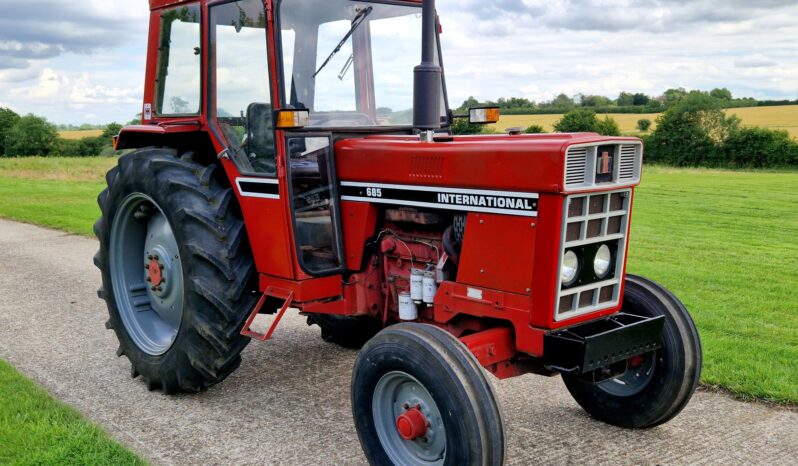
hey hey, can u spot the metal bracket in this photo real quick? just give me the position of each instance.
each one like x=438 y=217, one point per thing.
x=287 y=296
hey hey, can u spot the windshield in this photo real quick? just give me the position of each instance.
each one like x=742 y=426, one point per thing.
x=351 y=63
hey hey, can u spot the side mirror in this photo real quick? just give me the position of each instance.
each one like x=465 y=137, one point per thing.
x=483 y=115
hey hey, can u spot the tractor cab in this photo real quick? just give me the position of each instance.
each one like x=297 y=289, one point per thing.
x=336 y=68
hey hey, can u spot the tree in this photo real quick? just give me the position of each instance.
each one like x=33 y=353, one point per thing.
x=721 y=94
x=595 y=101
x=31 y=135
x=691 y=132
x=461 y=126
x=643 y=124
x=534 y=129
x=577 y=121
x=625 y=99
x=582 y=120
x=135 y=121
x=640 y=99
x=607 y=127
x=672 y=96
x=469 y=103
x=8 y=118
x=563 y=101
x=111 y=130
x=179 y=105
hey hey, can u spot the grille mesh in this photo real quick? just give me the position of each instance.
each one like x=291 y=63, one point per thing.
x=594 y=218
x=576 y=166
x=626 y=170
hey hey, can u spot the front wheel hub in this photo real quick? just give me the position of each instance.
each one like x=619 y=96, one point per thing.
x=411 y=424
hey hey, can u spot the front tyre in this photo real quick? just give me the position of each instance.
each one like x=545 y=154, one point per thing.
x=657 y=385
x=419 y=397
x=176 y=269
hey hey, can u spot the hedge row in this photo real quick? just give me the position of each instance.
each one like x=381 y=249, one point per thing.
x=697 y=133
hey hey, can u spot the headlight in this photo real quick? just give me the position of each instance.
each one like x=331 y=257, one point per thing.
x=570 y=268
x=601 y=264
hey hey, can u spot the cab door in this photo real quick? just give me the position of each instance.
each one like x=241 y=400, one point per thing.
x=314 y=203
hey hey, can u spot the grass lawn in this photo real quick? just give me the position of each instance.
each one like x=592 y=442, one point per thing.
x=35 y=429
x=57 y=192
x=726 y=242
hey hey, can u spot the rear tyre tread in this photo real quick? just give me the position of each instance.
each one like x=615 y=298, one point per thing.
x=218 y=267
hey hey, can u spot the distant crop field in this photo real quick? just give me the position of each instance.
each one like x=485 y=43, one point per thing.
x=782 y=117
x=89 y=133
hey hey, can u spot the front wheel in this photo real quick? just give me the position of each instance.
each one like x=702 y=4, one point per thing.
x=419 y=397
x=657 y=385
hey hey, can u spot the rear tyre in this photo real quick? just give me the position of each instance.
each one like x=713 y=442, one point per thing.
x=419 y=397
x=177 y=271
x=346 y=331
x=657 y=385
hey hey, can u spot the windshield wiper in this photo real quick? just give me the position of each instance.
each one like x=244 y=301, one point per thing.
x=356 y=22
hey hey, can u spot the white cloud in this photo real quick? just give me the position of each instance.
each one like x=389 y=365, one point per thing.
x=754 y=61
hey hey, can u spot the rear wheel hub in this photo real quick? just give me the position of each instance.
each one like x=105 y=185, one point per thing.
x=154 y=271
x=146 y=273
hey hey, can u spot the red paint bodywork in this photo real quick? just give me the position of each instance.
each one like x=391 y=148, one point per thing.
x=513 y=260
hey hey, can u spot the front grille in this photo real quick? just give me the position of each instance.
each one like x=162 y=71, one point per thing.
x=581 y=165
x=589 y=221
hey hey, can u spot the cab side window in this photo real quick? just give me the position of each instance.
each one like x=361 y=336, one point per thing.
x=243 y=106
x=178 y=81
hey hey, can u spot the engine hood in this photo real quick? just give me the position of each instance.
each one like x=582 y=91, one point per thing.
x=526 y=163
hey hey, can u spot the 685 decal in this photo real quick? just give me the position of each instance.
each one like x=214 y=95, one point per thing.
x=374 y=192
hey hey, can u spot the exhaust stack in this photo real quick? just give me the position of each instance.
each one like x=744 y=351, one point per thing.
x=427 y=75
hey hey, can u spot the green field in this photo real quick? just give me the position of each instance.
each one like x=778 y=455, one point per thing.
x=784 y=117
x=37 y=430
x=726 y=242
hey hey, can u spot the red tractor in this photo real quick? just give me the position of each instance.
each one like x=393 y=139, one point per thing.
x=293 y=154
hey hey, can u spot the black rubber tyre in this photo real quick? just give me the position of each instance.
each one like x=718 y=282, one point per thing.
x=444 y=369
x=345 y=331
x=217 y=268
x=673 y=370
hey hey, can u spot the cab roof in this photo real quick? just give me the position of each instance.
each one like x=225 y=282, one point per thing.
x=157 y=4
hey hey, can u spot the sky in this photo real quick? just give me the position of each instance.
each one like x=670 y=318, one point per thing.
x=83 y=61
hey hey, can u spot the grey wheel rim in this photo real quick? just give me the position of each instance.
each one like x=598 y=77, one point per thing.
x=146 y=274
x=395 y=393
x=634 y=380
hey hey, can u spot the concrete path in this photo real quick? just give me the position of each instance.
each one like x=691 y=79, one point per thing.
x=289 y=401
